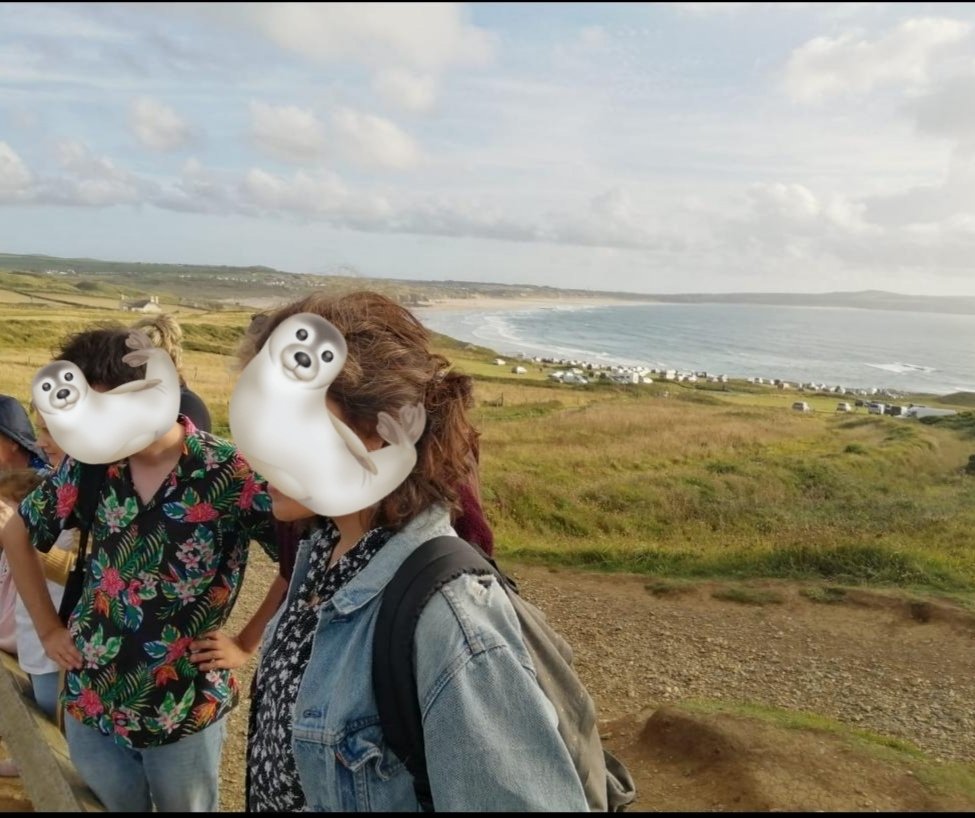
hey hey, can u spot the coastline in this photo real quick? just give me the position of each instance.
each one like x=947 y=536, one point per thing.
x=484 y=302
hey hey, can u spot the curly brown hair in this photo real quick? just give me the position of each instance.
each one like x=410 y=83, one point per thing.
x=390 y=365
x=16 y=484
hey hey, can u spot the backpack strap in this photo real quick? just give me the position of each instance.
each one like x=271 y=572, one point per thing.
x=82 y=518
x=83 y=515
x=435 y=563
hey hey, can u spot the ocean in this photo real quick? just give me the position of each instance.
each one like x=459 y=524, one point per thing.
x=930 y=353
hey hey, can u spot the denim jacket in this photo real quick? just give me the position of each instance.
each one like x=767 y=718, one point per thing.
x=490 y=732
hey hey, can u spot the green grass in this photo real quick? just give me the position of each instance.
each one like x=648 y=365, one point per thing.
x=743 y=595
x=668 y=587
x=949 y=778
x=963 y=422
x=826 y=594
x=805 y=720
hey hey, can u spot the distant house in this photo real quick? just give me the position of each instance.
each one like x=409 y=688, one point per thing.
x=150 y=304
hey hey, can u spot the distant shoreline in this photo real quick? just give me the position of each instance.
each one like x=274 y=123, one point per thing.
x=482 y=302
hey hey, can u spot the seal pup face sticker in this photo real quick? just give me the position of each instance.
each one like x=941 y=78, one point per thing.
x=281 y=424
x=103 y=427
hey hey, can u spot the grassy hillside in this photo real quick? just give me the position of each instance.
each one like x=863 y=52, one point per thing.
x=212 y=285
x=664 y=479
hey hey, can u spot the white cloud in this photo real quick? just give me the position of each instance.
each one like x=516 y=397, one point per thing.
x=319 y=194
x=373 y=141
x=425 y=36
x=86 y=180
x=405 y=89
x=15 y=177
x=947 y=109
x=158 y=126
x=707 y=9
x=288 y=132
x=953 y=197
x=408 y=46
x=91 y=180
x=848 y=64
x=730 y=9
x=198 y=190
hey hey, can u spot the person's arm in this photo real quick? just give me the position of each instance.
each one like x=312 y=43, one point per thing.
x=491 y=735
x=216 y=650
x=28 y=574
x=254 y=512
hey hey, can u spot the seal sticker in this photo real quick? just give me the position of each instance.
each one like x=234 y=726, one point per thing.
x=103 y=427
x=281 y=424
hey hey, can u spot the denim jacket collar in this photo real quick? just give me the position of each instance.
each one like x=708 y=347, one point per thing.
x=432 y=522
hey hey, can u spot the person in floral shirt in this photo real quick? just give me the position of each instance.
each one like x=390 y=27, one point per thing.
x=168 y=549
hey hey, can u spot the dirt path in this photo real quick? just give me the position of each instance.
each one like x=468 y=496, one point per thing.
x=871 y=661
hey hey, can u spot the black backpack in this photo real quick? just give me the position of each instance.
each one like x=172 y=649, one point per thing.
x=606 y=781
x=81 y=517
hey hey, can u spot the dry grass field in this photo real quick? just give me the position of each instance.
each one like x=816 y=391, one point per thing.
x=666 y=479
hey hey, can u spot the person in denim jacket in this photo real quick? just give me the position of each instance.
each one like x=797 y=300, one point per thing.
x=314 y=739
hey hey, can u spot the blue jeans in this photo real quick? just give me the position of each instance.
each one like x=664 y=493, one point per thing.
x=45 y=687
x=180 y=777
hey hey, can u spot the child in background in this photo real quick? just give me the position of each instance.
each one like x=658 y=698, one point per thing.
x=44 y=674
x=165 y=332
x=19 y=452
x=43 y=671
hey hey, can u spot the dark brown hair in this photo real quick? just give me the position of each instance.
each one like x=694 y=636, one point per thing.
x=98 y=354
x=389 y=366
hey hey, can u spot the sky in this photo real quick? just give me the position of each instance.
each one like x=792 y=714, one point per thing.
x=646 y=147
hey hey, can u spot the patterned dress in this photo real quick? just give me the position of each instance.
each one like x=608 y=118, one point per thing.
x=160 y=574
x=273 y=784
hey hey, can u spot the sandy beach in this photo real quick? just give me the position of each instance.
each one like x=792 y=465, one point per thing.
x=477 y=302
x=480 y=302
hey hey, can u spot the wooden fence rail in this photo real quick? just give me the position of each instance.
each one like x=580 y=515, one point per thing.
x=50 y=780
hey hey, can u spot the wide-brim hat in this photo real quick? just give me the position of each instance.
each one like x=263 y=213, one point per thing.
x=15 y=424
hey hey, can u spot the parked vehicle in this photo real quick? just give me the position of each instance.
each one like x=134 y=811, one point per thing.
x=801 y=406
x=875 y=408
x=843 y=406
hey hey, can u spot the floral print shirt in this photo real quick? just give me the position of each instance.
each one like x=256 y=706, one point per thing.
x=159 y=575
x=272 y=780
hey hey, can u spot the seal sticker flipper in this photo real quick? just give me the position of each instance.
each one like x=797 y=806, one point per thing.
x=137 y=339
x=137 y=357
x=134 y=386
x=390 y=430
x=414 y=421
x=356 y=447
x=407 y=430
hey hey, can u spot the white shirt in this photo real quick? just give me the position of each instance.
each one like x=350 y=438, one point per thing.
x=30 y=651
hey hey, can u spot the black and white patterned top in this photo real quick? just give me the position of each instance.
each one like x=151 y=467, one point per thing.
x=273 y=784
